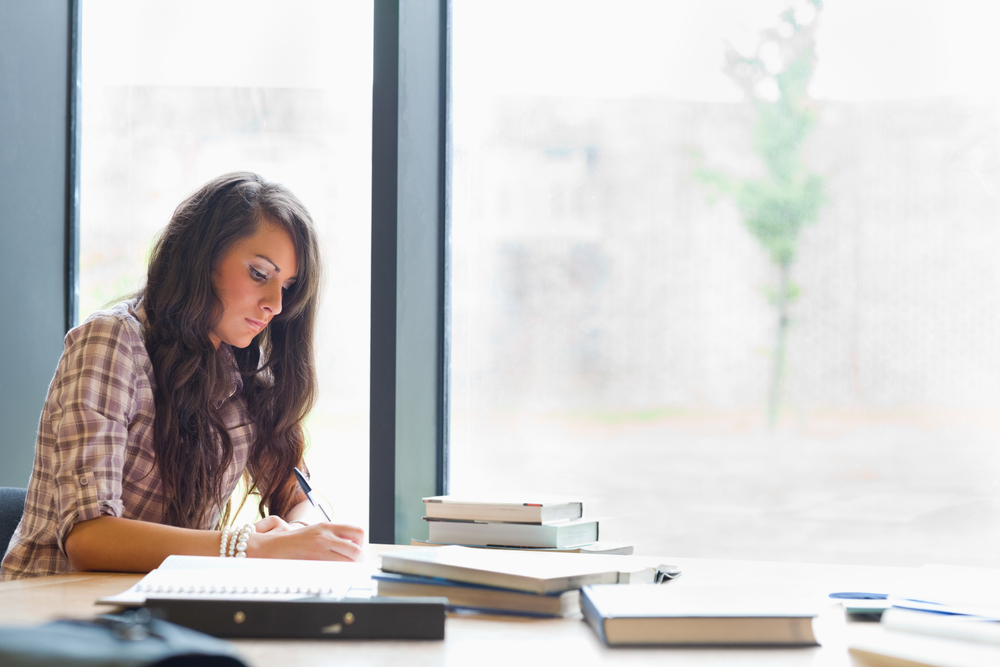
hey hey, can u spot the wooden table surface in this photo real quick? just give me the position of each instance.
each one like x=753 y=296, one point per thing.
x=518 y=642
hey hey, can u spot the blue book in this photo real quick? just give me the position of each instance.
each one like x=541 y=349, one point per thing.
x=476 y=597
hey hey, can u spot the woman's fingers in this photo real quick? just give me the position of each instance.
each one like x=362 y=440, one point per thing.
x=344 y=541
x=345 y=531
x=321 y=541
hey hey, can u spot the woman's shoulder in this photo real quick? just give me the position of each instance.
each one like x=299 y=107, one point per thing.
x=120 y=325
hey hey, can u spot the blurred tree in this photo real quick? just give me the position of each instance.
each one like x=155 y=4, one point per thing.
x=777 y=205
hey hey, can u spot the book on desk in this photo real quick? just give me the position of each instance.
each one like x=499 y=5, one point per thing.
x=510 y=581
x=558 y=535
x=478 y=598
x=533 y=569
x=538 y=510
x=555 y=524
x=528 y=571
x=609 y=548
x=697 y=616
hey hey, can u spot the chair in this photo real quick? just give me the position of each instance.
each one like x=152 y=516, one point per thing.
x=11 y=509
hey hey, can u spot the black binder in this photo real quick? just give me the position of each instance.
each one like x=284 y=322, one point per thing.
x=310 y=618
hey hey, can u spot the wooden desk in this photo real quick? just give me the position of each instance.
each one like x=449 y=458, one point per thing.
x=484 y=640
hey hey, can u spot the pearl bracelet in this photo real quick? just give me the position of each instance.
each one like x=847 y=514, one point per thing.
x=234 y=542
x=243 y=538
x=224 y=543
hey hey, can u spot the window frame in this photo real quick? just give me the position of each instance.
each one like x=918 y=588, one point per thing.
x=40 y=191
x=411 y=143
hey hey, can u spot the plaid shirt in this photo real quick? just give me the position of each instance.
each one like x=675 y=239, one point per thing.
x=94 y=454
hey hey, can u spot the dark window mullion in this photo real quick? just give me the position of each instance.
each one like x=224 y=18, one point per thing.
x=408 y=400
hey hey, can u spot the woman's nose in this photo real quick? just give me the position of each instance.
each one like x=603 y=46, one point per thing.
x=272 y=301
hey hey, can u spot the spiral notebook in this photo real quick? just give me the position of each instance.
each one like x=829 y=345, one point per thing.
x=204 y=577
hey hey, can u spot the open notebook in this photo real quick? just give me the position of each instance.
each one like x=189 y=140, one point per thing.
x=198 y=577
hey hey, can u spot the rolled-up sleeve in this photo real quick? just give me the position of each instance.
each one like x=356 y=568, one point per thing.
x=90 y=406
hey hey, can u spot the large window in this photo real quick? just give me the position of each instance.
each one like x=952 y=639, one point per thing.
x=739 y=317
x=177 y=93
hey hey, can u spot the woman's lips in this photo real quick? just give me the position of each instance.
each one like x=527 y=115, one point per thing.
x=256 y=325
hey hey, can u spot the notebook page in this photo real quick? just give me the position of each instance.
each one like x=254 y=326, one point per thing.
x=243 y=579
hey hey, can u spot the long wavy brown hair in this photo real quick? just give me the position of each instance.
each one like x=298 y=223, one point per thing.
x=190 y=441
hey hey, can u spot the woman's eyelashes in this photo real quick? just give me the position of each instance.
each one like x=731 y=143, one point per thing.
x=261 y=277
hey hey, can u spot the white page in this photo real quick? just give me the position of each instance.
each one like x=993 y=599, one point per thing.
x=245 y=578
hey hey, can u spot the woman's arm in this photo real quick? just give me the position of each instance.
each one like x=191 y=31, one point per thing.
x=114 y=544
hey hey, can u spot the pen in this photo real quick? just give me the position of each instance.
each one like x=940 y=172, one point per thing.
x=306 y=489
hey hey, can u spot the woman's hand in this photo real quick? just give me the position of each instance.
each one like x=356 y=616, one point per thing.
x=320 y=541
x=271 y=523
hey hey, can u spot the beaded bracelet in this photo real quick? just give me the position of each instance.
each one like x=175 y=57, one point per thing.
x=232 y=543
x=225 y=541
x=242 y=539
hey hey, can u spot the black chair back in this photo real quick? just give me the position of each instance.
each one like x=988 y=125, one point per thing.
x=11 y=510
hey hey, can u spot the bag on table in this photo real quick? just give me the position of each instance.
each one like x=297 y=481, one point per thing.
x=132 y=639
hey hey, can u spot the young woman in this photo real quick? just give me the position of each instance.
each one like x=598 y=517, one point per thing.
x=160 y=405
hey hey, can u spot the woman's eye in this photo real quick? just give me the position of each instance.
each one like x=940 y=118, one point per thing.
x=257 y=275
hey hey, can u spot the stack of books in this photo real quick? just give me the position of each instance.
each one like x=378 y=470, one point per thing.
x=508 y=581
x=553 y=524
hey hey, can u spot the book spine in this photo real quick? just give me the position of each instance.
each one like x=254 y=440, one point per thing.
x=508 y=534
x=448 y=512
x=591 y=615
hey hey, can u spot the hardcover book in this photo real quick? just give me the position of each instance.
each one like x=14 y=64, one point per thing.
x=480 y=533
x=591 y=548
x=489 y=599
x=523 y=570
x=668 y=615
x=538 y=511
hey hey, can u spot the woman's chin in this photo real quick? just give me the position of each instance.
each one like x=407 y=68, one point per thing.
x=240 y=339
x=241 y=342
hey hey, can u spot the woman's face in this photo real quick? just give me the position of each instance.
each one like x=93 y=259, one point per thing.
x=250 y=280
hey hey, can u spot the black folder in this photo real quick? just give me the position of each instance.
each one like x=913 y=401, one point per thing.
x=310 y=618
